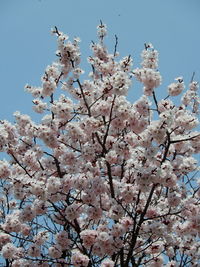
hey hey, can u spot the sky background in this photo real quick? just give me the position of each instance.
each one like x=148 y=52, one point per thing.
x=27 y=46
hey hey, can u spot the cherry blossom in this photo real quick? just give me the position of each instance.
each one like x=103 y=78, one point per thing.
x=101 y=180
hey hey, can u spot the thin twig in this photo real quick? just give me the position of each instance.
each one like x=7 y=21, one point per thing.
x=116 y=43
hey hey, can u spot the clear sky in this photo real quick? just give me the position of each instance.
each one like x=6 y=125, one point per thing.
x=27 y=46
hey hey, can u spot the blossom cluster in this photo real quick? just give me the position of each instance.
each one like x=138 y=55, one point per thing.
x=101 y=181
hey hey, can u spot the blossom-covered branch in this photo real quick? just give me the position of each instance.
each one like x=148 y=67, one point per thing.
x=100 y=180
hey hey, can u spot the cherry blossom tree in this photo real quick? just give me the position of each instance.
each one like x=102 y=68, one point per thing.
x=101 y=181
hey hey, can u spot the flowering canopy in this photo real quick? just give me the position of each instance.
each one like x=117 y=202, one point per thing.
x=101 y=181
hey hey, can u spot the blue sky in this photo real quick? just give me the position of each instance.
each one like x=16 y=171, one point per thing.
x=27 y=46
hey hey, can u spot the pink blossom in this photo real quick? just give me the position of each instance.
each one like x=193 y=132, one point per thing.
x=100 y=180
x=55 y=251
x=79 y=259
x=107 y=263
